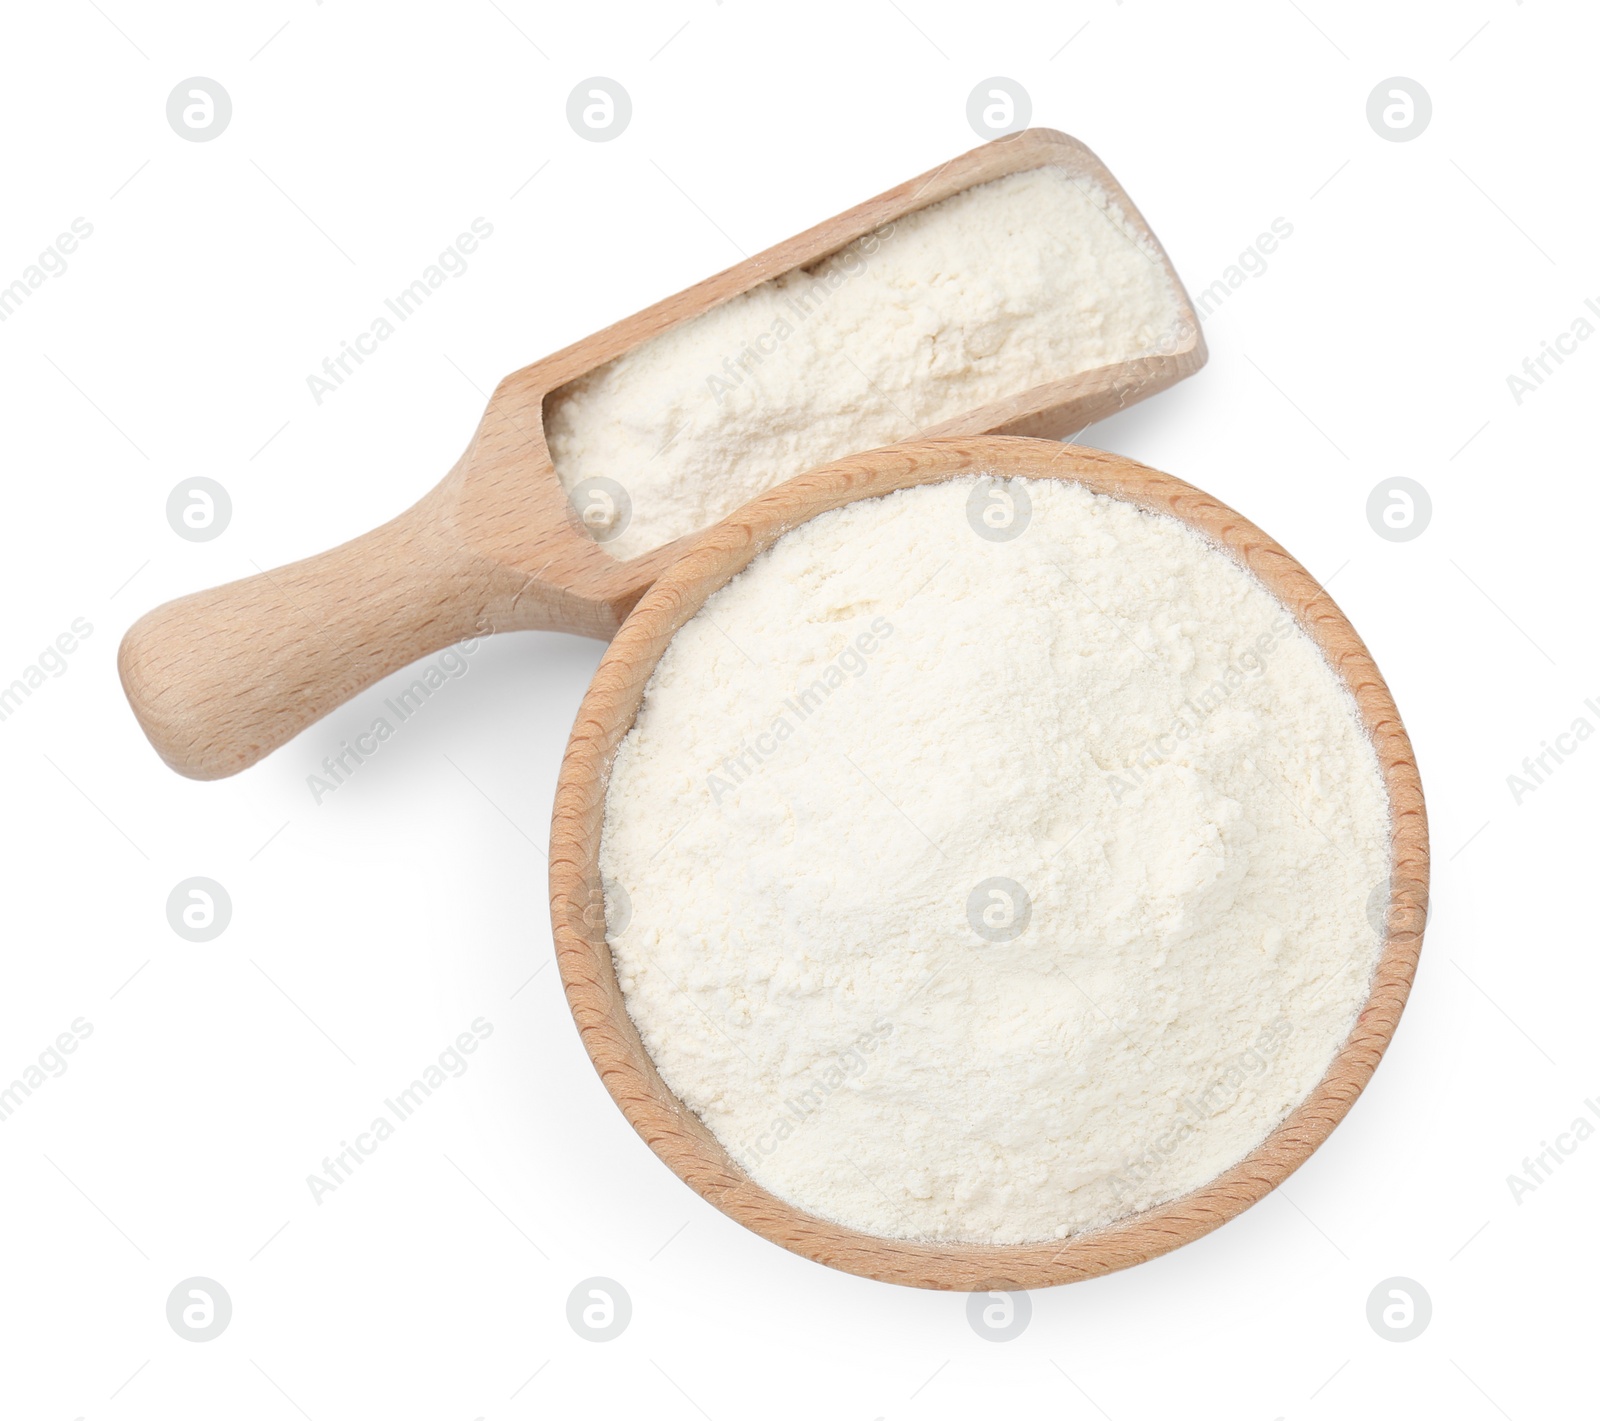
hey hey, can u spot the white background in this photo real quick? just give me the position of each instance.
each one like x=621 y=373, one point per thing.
x=371 y=928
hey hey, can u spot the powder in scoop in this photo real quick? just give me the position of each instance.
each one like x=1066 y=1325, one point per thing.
x=991 y=888
x=1012 y=284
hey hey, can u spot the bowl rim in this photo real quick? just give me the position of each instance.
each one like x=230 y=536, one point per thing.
x=683 y=1142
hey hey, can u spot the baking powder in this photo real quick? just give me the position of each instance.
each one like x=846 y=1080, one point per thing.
x=991 y=887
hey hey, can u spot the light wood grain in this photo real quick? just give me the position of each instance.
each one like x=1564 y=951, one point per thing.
x=220 y=678
x=679 y=1137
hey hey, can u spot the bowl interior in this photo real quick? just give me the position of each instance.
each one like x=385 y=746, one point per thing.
x=678 y=1136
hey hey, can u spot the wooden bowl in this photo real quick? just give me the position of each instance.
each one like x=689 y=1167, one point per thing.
x=678 y=1136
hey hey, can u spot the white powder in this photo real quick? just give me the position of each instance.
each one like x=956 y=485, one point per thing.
x=1021 y=281
x=885 y=711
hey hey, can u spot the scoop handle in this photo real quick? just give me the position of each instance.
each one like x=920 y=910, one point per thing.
x=220 y=678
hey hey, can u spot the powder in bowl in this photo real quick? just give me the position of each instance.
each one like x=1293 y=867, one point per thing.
x=999 y=857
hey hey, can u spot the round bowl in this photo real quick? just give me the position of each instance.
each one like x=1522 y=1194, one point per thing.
x=679 y=1137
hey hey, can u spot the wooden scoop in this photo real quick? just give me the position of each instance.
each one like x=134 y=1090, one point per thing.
x=220 y=678
x=578 y=908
